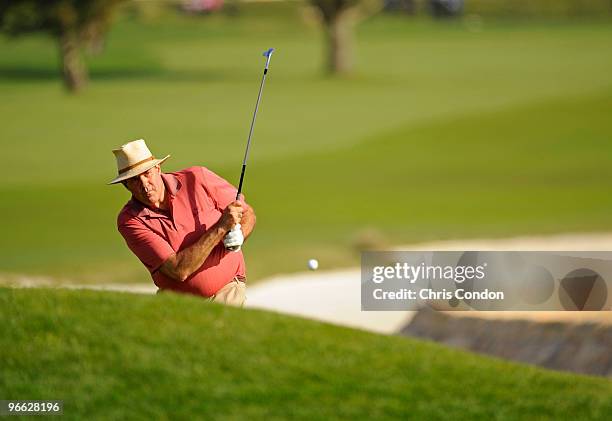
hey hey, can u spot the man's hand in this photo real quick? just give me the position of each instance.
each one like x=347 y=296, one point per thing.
x=183 y=264
x=232 y=215
x=230 y=220
x=234 y=239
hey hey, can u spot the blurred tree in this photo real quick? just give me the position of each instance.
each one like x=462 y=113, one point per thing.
x=339 y=18
x=73 y=23
x=445 y=8
x=403 y=6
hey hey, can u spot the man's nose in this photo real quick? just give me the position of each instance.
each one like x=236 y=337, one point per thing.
x=143 y=180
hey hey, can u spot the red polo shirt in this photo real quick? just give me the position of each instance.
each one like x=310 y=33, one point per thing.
x=197 y=197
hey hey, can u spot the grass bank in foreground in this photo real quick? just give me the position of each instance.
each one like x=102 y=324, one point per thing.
x=117 y=356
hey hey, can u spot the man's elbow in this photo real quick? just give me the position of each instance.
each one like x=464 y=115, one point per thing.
x=172 y=268
x=181 y=276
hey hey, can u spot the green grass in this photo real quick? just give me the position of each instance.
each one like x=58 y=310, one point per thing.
x=441 y=133
x=120 y=356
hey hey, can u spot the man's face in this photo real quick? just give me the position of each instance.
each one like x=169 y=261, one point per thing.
x=147 y=187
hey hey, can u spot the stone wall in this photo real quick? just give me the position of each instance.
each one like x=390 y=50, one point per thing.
x=578 y=347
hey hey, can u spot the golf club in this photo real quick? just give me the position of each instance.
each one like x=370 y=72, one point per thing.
x=268 y=55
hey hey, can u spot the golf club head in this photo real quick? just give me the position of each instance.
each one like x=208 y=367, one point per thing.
x=268 y=55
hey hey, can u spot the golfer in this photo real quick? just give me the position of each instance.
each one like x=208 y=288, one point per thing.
x=186 y=227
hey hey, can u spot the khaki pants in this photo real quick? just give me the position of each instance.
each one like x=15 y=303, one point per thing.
x=233 y=294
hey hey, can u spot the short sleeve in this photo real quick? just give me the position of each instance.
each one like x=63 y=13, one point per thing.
x=149 y=247
x=223 y=192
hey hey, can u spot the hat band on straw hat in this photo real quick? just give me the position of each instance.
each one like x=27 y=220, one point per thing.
x=122 y=170
x=134 y=158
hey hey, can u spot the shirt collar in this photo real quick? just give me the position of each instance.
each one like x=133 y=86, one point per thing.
x=173 y=185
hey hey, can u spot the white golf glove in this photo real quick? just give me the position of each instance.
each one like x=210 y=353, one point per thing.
x=233 y=240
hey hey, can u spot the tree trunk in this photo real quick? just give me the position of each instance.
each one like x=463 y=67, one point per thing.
x=93 y=38
x=340 y=43
x=74 y=71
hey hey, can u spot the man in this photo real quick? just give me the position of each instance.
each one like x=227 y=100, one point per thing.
x=186 y=227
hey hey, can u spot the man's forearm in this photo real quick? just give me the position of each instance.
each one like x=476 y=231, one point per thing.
x=248 y=222
x=182 y=264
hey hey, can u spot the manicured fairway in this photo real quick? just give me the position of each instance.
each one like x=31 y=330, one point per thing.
x=441 y=133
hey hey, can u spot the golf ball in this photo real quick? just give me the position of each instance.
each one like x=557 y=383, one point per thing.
x=313 y=264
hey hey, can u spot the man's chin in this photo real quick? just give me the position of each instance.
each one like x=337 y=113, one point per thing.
x=151 y=201
x=145 y=201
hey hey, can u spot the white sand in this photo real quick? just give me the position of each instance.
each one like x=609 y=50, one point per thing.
x=334 y=296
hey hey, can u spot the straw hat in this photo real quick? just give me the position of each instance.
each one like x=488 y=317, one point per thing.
x=134 y=158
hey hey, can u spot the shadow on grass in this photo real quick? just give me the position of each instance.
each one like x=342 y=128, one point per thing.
x=29 y=74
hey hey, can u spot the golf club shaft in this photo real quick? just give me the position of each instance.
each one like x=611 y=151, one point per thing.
x=268 y=54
